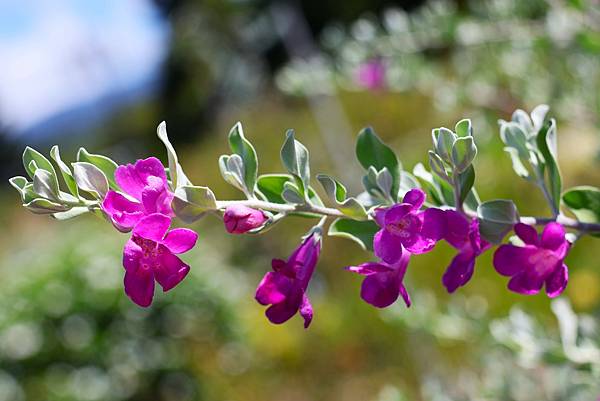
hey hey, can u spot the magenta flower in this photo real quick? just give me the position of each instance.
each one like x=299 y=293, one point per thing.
x=463 y=235
x=150 y=255
x=371 y=74
x=405 y=226
x=285 y=287
x=239 y=219
x=540 y=261
x=147 y=191
x=383 y=282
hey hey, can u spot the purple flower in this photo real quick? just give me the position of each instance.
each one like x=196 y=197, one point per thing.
x=463 y=235
x=405 y=226
x=383 y=282
x=539 y=261
x=371 y=74
x=239 y=219
x=147 y=191
x=285 y=287
x=150 y=255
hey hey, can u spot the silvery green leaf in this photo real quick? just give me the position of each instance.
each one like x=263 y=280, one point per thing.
x=45 y=186
x=271 y=186
x=32 y=160
x=372 y=152
x=103 y=163
x=464 y=128
x=337 y=194
x=517 y=163
x=513 y=136
x=190 y=203
x=235 y=165
x=546 y=142
x=229 y=176
x=65 y=171
x=443 y=143
x=290 y=194
x=384 y=182
x=244 y=149
x=522 y=119
x=496 y=219
x=361 y=232
x=90 y=179
x=437 y=166
x=463 y=153
x=538 y=116
x=407 y=182
x=24 y=187
x=294 y=157
x=178 y=177
x=369 y=181
x=71 y=213
x=44 y=206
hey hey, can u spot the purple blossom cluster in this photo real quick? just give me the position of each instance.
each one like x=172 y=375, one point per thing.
x=405 y=229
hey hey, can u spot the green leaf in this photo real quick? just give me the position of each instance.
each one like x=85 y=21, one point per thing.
x=65 y=171
x=271 y=186
x=371 y=151
x=294 y=157
x=192 y=202
x=538 y=116
x=584 y=202
x=337 y=194
x=433 y=191
x=103 y=163
x=496 y=219
x=443 y=141
x=69 y=214
x=466 y=180
x=518 y=164
x=437 y=166
x=546 y=142
x=45 y=186
x=178 y=179
x=44 y=206
x=362 y=232
x=24 y=187
x=32 y=160
x=90 y=179
x=291 y=193
x=523 y=120
x=513 y=136
x=231 y=168
x=463 y=153
x=243 y=148
x=464 y=128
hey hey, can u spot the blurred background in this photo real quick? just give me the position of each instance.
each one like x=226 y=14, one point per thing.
x=103 y=73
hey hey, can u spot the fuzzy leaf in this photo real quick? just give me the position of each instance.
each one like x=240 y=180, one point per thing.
x=244 y=149
x=361 y=232
x=91 y=179
x=371 y=151
x=496 y=219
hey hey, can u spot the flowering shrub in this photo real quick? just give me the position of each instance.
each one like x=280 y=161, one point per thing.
x=399 y=214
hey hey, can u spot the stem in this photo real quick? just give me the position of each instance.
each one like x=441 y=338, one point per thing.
x=542 y=185
x=456 y=186
x=282 y=208
x=563 y=220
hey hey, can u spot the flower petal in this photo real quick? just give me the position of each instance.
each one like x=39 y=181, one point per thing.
x=132 y=178
x=123 y=212
x=457 y=229
x=387 y=246
x=180 y=240
x=434 y=224
x=132 y=253
x=527 y=233
x=381 y=289
x=525 y=284
x=139 y=286
x=415 y=197
x=273 y=288
x=306 y=311
x=459 y=272
x=170 y=270
x=418 y=244
x=405 y=296
x=395 y=213
x=370 y=268
x=510 y=259
x=157 y=198
x=557 y=282
x=153 y=227
x=283 y=311
x=553 y=236
x=379 y=216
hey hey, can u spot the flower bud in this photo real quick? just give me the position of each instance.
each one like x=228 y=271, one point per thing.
x=240 y=219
